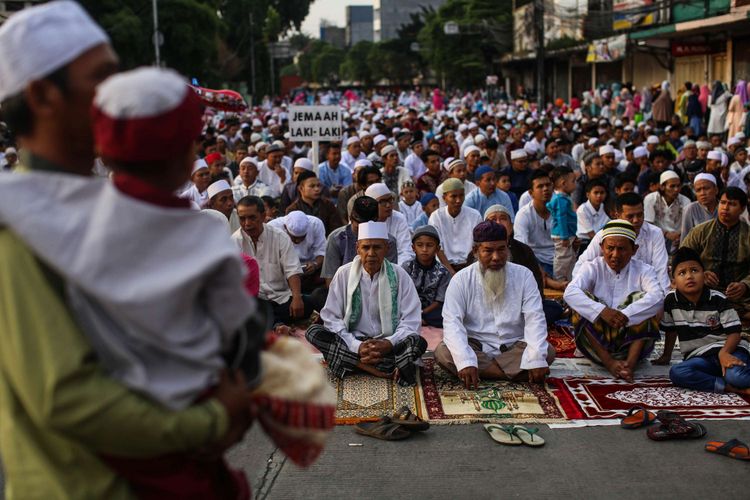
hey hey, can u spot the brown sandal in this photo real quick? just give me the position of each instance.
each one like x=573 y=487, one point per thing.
x=408 y=420
x=383 y=429
x=637 y=417
x=733 y=449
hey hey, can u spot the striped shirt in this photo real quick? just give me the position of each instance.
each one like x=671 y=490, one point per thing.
x=703 y=327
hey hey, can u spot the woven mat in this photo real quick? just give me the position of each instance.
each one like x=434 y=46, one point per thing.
x=443 y=400
x=607 y=398
x=364 y=398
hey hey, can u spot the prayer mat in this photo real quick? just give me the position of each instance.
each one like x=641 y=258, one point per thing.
x=443 y=400
x=561 y=337
x=608 y=398
x=364 y=398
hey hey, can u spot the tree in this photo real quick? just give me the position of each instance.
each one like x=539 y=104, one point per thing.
x=355 y=66
x=325 y=65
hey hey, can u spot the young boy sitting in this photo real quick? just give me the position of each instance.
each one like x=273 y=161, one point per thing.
x=564 y=222
x=408 y=205
x=504 y=184
x=429 y=203
x=591 y=215
x=429 y=275
x=715 y=357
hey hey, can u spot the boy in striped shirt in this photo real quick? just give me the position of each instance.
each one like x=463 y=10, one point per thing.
x=715 y=357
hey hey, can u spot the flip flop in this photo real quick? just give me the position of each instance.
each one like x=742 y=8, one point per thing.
x=733 y=449
x=409 y=421
x=637 y=417
x=383 y=429
x=677 y=429
x=528 y=436
x=503 y=434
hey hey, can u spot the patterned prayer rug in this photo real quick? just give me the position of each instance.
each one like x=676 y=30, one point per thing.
x=443 y=400
x=364 y=398
x=561 y=337
x=607 y=398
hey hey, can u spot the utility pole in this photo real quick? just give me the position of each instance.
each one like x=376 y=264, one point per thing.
x=539 y=25
x=252 y=59
x=157 y=35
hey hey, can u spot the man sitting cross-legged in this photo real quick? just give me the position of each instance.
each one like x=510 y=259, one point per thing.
x=372 y=315
x=615 y=300
x=493 y=320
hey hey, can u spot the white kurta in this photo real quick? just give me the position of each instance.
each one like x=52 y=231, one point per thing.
x=667 y=217
x=271 y=179
x=651 y=250
x=468 y=188
x=590 y=219
x=313 y=245
x=520 y=317
x=456 y=233
x=399 y=229
x=368 y=326
x=415 y=166
x=192 y=194
x=277 y=261
x=257 y=188
x=536 y=232
x=611 y=288
x=411 y=212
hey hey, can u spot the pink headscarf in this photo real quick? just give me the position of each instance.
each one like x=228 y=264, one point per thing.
x=703 y=97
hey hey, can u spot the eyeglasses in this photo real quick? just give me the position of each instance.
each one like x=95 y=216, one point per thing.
x=385 y=203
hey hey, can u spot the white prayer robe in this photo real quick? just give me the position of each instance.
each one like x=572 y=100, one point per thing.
x=257 y=188
x=399 y=229
x=277 y=261
x=519 y=317
x=192 y=194
x=612 y=288
x=368 y=326
x=271 y=179
x=456 y=234
x=530 y=228
x=410 y=212
x=651 y=250
x=415 y=166
x=670 y=220
x=313 y=245
x=590 y=219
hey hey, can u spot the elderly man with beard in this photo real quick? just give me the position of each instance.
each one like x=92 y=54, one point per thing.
x=615 y=300
x=494 y=327
x=372 y=315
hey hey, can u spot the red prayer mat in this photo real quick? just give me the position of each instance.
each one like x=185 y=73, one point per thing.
x=562 y=339
x=606 y=398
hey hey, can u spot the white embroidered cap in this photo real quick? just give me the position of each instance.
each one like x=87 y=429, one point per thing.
x=217 y=187
x=296 y=223
x=372 y=231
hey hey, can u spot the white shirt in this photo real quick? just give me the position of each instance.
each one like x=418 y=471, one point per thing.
x=524 y=200
x=399 y=229
x=192 y=194
x=368 y=326
x=411 y=212
x=349 y=160
x=456 y=234
x=611 y=288
x=414 y=165
x=590 y=219
x=313 y=245
x=536 y=232
x=667 y=217
x=468 y=188
x=276 y=258
x=519 y=317
x=651 y=250
x=271 y=179
x=257 y=188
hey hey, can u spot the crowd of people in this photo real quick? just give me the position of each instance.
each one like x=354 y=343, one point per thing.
x=143 y=237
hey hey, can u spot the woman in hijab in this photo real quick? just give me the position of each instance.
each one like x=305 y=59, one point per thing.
x=703 y=97
x=663 y=106
x=717 y=102
x=736 y=108
x=694 y=111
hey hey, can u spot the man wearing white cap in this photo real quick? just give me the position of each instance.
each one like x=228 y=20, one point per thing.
x=413 y=163
x=378 y=143
x=372 y=315
x=271 y=171
x=10 y=159
x=221 y=199
x=290 y=191
x=456 y=170
x=394 y=221
x=664 y=208
x=333 y=173
x=607 y=154
x=308 y=236
x=714 y=167
x=520 y=173
x=353 y=152
x=40 y=90
x=704 y=208
x=615 y=299
x=394 y=176
x=249 y=184
x=472 y=157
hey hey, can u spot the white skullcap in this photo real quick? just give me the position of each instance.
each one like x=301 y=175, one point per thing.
x=703 y=145
x=668 y=175
x=362 y=163
x=40 y=40
x=11 y=151
x=378 y=139
x=257 y=123
x=732 y=141
x=271 y=122
x=518 y=154
x=198 y=164
x=740 y=136
x=652 y=139
x=714 y=155
x=463 y=127
x=296 y=223
x=251 y=161
x=473 y=125
x=640 y=152
x=395 y=130
x=372 y=231
x=705 y=177
x=352 y=140
x=386 y=150
x=479 y=138
x=363 y=134
x=217 y=187
x=471 y=149
x=222 y=137
x=255 y=137
x=529 y=121
x=219 y=217
x=593 y=141
x=303 y=163
x=531 y=148
x=279 y=144
x=378 y=190
x=606 y=150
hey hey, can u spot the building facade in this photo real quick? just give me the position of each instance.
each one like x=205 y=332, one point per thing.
x=390 y=15
x=359 y=24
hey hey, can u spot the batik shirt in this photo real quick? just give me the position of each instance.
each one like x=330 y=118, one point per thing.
x=431 y=282
x=724 y=251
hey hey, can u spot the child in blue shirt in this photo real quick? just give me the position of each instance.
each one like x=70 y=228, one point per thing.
x=564 y=222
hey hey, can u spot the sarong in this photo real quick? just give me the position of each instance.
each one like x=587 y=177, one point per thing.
x=615 y=340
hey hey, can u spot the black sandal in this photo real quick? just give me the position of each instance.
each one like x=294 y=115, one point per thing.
x=409 y=421
x=383 y=429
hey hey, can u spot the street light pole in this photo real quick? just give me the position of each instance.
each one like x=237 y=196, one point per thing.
x=157 y=35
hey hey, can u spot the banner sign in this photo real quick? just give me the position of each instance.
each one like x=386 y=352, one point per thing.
x=315 y=123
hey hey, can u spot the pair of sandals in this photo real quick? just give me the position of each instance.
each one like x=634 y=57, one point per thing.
x=515 y=435
x=395 y=428
x=672 y=425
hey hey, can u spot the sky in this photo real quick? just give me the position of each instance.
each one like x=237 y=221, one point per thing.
x=331 y=10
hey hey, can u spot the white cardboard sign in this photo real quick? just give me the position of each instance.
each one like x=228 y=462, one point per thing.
x=315 y=123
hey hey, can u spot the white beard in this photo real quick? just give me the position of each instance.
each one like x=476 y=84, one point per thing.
x=493 y=284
